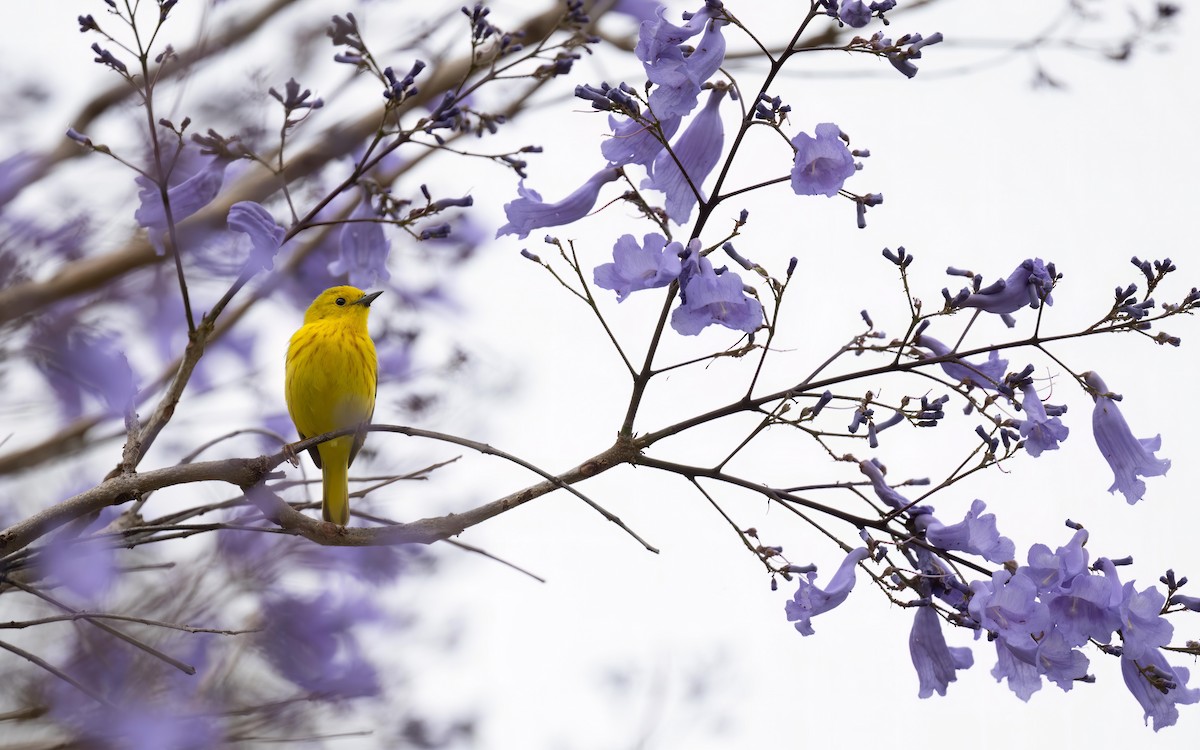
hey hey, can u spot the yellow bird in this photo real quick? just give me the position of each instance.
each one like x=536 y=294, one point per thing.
x=330 y=385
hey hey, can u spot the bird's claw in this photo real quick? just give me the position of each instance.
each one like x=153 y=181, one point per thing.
x=289 y=455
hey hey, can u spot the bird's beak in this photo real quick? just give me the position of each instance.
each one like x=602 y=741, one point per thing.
x=367 y=299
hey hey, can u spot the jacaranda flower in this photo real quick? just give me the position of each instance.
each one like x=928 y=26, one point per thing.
x=1158 y=686
x=678 y=78
x=697 y=150
x=1127 y=456
x=530 y=212
x=985 y=375
x=1028 y=285
x=1040 y=432
x=708 y=296
x=811 y=601
x=633 y=142
x=655 y=263
x=823 y=163
x=265 y=235
x=935 y=662
x=363 y=248
x=186 y=198
x=975 y=534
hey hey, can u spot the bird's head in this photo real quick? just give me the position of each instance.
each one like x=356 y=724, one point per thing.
x=341 y=303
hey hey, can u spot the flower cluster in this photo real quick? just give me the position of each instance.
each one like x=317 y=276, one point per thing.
x=707 y=296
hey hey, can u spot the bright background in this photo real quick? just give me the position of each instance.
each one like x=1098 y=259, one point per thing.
x=689 y=648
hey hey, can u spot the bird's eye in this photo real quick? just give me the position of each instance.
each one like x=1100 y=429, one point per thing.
x=341 y=301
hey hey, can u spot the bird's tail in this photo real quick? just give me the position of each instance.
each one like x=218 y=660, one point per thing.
x=335 y=504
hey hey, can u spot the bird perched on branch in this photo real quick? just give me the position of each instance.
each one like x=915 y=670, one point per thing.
x=330 y=385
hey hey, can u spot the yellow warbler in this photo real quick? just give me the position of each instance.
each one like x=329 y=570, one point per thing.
x=330 y=385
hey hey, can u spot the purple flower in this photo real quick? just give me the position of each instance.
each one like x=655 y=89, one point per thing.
x=1143 y=628
x=823 y=163
x=975 y=534
x=1029 y=284
x=1023 y=677
x=811 y=601
x=530 y=212
x=935 y=662
x=874 y=472
x=1040 y=432
x=856 y=14
x=653 y=264
x=633 y=142
x=1129 y=457
x=1087 y=607
x=364 y=248
x=76 y=359
x=1050 y=570
x=697 y=150
x=1158 y=686
x=708 y=297
x=86 y=568
x=311 y=642
x=985 y=375
x=678 y=77
x=265 y=235
x=17 y=172
x=186 y=198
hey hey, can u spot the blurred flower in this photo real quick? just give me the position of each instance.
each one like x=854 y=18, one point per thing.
x=76 y=359
x=823 y=163
x=935 y=662
x=708 y=296
x=811 y=601
x=1040 y=432
x=186 y=197
x=87 y=568
x=530 y=212
x=16 y=173
x=697 y=150
x=311 y=643
x=653 y=264
x=1127 y=456
x=854 y=13
x=150 y=706
x=265 y=235
x=364 y=248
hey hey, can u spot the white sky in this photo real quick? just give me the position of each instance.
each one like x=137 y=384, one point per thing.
x=689 y=648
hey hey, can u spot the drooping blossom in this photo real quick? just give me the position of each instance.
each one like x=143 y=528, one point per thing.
x=76 y=358
x=975 y=534
x=986 y=375
x=186 y=197
x=1039 y=431
x=530 y=212
x=265 y=235
x=311 y=642
x=1127 y=456
x=708 y=296
x=655 y=263
x=883 y=491
x=810 y=600
x=697 y=150
x=677 y=75
x=363 y=248
x=822 y=164
x=935 y=662
x=634 y=142
x=1159 y=687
